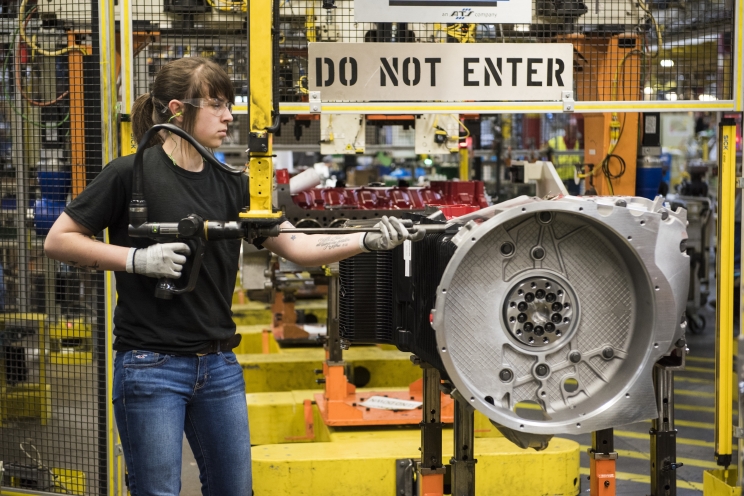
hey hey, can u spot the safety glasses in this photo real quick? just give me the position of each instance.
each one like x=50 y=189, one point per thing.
x=215 y=106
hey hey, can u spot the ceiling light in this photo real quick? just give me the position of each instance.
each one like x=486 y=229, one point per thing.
x=706 y=98
x=648 y=90
x=522 y=27
x=666 y=63
x=671 y=97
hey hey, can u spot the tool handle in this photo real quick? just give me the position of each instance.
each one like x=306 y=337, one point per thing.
x=166 y=288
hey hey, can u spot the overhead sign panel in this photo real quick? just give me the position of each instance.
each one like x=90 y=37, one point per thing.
x=440 y=72
x=470 y=11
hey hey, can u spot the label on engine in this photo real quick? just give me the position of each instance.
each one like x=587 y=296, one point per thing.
x=407 y=256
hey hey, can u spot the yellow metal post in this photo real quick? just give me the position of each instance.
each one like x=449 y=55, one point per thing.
x=260 y=166
x=725 y=291
x=464 y=165
x=128 y=145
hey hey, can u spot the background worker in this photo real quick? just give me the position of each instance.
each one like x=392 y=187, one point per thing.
x=174 y=370
x=566 y=139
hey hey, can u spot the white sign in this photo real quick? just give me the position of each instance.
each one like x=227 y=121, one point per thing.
x=440 y=71
x=444 y=11
x=383 y=403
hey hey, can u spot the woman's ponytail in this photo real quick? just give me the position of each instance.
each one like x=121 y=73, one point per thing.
x=142 y=120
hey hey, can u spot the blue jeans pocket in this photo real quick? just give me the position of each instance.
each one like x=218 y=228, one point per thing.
x=138 y=359
x=229 y=357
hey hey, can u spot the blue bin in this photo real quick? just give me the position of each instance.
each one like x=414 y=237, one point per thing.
x=45 y=213
x=648 y=180
x=54 y=185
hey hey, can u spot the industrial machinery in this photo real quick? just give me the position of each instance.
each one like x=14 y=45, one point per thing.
x=548 y=316
x=333 y=207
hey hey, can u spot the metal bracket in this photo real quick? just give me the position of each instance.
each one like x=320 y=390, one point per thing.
x=602 y=456
x=431 y=471
x=739 y=432
x=740 y=182
x=404 y=477
x=568 y=101
x=258 y=142
x=315 y=104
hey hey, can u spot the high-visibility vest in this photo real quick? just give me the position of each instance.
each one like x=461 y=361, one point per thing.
x=565 y=165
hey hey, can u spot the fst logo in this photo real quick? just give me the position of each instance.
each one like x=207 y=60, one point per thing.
x=462 y=14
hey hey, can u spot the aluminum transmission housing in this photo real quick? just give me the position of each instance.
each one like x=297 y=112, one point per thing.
x=567 y=305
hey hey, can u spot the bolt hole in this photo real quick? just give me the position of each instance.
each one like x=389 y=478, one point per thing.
x=570 y=385
x=489 y=400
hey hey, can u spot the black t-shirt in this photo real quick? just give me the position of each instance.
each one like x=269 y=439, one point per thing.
x=187 y=322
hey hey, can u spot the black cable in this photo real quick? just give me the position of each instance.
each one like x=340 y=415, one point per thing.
x=606 y=166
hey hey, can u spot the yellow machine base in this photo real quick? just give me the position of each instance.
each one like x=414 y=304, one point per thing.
x=287 y=369
x=66 y=481
x=71 y=358
x=254 y=312
x=26 y=401
x=364 y=463
x=277 y=418
x=719 y=482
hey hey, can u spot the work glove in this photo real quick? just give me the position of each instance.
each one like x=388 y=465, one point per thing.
x=392 y=233
x=158 y=260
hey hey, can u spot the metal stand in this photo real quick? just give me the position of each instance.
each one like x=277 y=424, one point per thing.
x=337 y=386
x=430 y=469
x=602 y=458
x=341 y=405
x=739 y=431
x=664 y=436
x=463 y=463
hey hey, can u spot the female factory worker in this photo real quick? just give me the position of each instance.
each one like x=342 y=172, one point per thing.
x=174 y=370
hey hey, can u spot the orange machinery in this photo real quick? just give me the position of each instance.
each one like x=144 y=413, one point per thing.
x=609 y=69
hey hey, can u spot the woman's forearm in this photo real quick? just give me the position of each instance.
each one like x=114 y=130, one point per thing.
x=70 y=243
x=316 y=249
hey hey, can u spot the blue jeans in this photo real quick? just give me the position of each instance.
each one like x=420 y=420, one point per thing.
x=158 y=397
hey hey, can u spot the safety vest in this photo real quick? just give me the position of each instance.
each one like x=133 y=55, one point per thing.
x=564 y=164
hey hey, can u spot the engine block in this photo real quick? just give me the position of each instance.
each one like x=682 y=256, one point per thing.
x=566 y=305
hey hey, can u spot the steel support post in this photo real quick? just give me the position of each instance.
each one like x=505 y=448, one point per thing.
x=430 y=469
x=335 y=353
x=664 y=436
x=602 y=458
x=463 y=462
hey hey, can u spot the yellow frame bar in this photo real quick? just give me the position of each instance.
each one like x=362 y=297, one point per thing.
x=725 y=291
x=502 y=107
x=736 y=54
x=260 y=72
x=128 y=146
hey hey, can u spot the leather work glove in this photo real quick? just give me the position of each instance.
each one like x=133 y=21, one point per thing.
x=392 y=233
x=158 y=260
